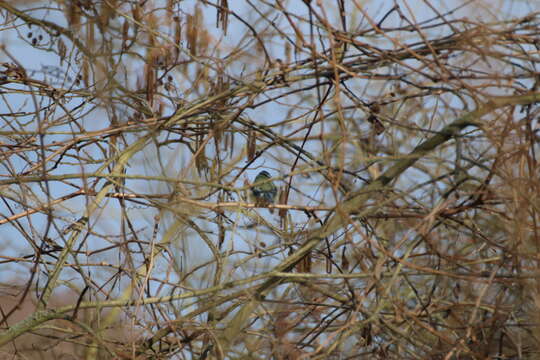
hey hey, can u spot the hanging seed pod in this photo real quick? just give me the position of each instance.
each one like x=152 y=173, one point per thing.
x=86 y=72
x=304 y=266
x=90 y=40
x=288 y=51
x=137 y=12
x=251 y=145
x=149 y=74
x=125 y=32
x=105 y=14
x=191 y=35
x=282 y=199
x=344 y=261
x=62 y=50
x=177 y=35
x=73 y=14
x=201 y=161
x=223 y=15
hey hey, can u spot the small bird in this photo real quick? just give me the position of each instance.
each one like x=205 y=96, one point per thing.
x=264 y=191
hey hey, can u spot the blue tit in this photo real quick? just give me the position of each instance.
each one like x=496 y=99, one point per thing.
x=264 y=191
